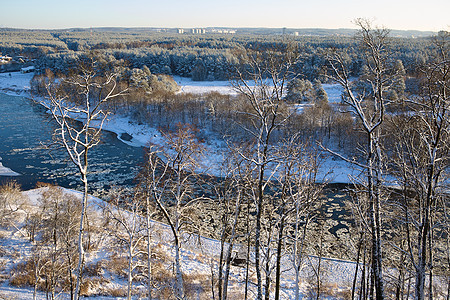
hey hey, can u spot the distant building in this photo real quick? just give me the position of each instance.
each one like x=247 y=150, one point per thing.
x=180 y=30
x=198 y=31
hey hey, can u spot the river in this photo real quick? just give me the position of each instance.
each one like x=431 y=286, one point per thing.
x=25 y=130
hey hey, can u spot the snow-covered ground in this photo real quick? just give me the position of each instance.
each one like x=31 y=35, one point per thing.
x=187 y=85
x=15 y=83
x=198 y=253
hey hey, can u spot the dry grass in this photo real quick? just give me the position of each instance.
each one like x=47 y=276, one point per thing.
x=95 y=287
x=94 y=269
x=118 y=292
x=8 y=297
x=23 y=274
x=117 y=265
x=4 y=234
x=332 y=290
x=159 y=253
x=197 y=285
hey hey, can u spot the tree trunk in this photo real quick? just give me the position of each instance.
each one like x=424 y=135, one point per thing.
x=130 y=271
x=258 y=236
x=80 y=236
x=221 y=263
x=355 y=277
x=247 y=264
x=179 y=275
x=226 y=275
x=375 y=222
x=278 y=263
x=149 y=251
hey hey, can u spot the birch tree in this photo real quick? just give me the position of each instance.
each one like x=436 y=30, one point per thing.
x=368 y=105
x=229 y=194
x=88 y=92
x=298 y=204
x=261 y=79
x=124 y=223
x=422 y=159
x=172 y=189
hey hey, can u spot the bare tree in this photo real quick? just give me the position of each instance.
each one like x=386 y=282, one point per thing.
x=368 y=105
x=422 y=159
x=124 y=223
x=11 y=203
x=172 y=188
x=54 y=253
x=87 y=93
x=229 y=194
x=293 y=197
x=151 y=187
x=299 y=192
x=261 y=80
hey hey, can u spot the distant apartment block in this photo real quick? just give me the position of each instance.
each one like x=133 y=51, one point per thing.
x=198 y=31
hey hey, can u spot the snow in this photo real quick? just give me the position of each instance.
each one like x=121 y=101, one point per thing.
x=27 y=69
x=333 y=91
x=4 y=171
x=187 y=85
x=16 y=83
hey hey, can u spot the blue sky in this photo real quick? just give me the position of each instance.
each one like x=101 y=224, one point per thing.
x=394 y=14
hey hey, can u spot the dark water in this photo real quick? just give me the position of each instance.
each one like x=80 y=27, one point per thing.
x=25 y=127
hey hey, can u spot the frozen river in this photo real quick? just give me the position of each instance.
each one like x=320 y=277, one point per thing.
x=25 y=130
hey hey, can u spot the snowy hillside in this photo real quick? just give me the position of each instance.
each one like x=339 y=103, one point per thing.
x=199 y=255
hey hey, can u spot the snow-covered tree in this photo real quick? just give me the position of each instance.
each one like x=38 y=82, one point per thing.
x=368 y=105
x=85 y=104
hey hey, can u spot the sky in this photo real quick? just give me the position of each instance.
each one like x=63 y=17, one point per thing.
x=430 y=15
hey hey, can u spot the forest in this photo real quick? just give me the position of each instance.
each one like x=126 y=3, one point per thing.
x=270 y=212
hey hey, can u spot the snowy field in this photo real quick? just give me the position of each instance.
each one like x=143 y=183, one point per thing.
x=187 y=85
x=15 y=83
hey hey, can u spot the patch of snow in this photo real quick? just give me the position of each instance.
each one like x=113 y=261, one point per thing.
x=15 y=83
x=4 y=171
x=334 y=92
x=187 y=85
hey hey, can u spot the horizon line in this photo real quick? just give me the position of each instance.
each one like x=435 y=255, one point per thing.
x=196 y=27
